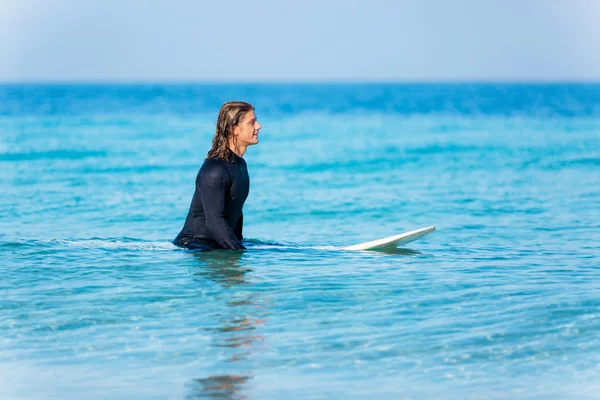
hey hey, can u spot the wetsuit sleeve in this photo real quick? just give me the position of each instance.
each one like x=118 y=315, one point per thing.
x=213 y=184
x=238 y=227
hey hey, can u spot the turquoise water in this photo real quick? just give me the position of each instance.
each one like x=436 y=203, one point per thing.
x=502 y=301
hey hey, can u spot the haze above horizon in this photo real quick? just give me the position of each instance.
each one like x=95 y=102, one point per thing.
x=311 y=41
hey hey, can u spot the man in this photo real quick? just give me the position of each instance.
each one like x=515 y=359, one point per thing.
x=215 y=218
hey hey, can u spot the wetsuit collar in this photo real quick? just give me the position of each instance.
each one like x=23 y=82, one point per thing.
x=234 y=157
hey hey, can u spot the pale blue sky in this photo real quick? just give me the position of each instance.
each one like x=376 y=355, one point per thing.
x=310 y=40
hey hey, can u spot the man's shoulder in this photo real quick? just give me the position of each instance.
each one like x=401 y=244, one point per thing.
x=214 y=168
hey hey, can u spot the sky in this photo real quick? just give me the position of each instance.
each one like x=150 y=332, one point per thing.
x=298 y=41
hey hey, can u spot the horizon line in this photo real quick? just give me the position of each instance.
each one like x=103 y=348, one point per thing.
x=299 y=82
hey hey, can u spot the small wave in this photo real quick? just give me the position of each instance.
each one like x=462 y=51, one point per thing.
x=143 y=245
x=290 y=247
x=576 y=162
x=20 y=244
x=117 y=244
x=51 y=154
x=435 y=149
x=92 y=243
x=270 y=245
x=127 y=243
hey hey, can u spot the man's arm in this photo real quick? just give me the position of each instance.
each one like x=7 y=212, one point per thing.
x=238 y=227
x=214 y=183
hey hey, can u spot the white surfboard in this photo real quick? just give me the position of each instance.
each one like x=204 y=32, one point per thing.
x=391 y=242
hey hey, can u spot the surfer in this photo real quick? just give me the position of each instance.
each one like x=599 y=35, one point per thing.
x=215 y=218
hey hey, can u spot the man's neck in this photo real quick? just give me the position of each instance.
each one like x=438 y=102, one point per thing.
x=238 y=150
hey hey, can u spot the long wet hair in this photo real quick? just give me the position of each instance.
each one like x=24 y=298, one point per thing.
x=230 y=115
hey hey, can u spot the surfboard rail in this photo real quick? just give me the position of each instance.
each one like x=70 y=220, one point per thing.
x=392 y=241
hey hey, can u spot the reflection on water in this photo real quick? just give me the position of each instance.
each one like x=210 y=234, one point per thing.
x=218 y=387
x=235 y=333
x=398 y=250
x=221 y=266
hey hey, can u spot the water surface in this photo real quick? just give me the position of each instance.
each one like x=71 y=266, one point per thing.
x=500 y=302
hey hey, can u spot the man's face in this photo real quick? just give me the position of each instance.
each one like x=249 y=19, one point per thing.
x=246 y=132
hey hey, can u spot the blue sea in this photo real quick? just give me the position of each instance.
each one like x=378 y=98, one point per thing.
x=502 y=301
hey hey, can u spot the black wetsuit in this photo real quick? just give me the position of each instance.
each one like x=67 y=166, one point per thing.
x=215 y=218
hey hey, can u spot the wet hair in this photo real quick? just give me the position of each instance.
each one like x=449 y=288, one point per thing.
x=230 y=115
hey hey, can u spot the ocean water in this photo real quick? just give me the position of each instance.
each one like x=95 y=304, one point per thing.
x=502 y=301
